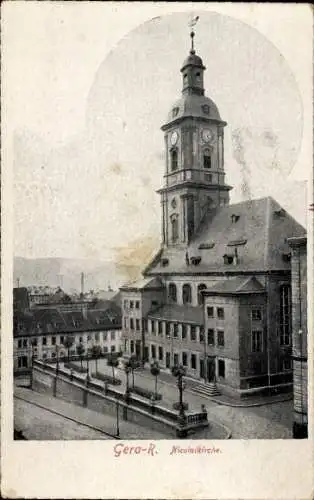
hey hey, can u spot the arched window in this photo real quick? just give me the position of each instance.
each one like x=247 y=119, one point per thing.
x=200 y=297
x=174 y=228
x=172 y=292
x=185 y=79
x=174 y=159
x=186 y=294
x=207 y=161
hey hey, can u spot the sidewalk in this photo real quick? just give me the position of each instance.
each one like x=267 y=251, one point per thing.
x=99 y=422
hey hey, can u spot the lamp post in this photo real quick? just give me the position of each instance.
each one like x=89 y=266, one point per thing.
x=117 y=413
x=57 y=354
x=127 y=369
x=179 y=373
x=33 y=343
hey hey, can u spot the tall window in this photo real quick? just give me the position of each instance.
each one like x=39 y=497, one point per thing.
x=168 y=329
x=220 y=313
x=160 y=353
x=285 y=315
x=257 y=341
x=186 y=294
x=131 y=324
x=200 y=297
x=172 y=292
x=153 y=326
x=174 y=159
x=175 y=330
x=153 y=350
x=207 y=159
x=210 y=311
x=210 y=336
x=174 y=228
x=193 y=361
x=184 y=359
x=220 y=338
x=184 y=331
x=159 y=327
x=193 y=333
x=137 y=324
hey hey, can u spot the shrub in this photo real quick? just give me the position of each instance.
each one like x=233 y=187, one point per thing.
x=176 y=406
x=145 y=393
x=106 y=378
x=75 y=367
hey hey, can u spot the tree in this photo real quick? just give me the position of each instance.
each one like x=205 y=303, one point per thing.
x=155 y=370
x=68 y=342
x=96 y=352
x=80 y=349
x=113 y=362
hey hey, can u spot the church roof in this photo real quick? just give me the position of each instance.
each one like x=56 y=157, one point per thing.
x=250 y=236
x=236 y=286
x=180 y=314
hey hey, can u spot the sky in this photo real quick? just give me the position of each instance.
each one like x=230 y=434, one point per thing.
x=87 y=88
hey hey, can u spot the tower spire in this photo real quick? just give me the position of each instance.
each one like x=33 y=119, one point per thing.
x=192 y=23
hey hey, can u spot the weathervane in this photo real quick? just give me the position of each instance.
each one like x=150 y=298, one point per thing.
x=192 y=23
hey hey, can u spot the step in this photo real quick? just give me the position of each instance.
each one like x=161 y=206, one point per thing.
x=206 y=390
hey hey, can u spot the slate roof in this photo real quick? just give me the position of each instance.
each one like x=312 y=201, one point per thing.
x=259 y=231
x=53 y=320
x=236 y=286
x=143 y=283
x=180 y=314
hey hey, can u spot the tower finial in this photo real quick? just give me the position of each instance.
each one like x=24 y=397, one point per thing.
x=192 y=23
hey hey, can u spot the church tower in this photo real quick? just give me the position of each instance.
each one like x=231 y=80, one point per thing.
x=194 y=171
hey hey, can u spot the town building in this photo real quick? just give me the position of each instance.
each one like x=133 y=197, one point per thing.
x=216 y=298
x=299 y=335
x=42 y=331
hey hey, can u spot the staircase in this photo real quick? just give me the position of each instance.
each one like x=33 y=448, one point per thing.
x=208 y=390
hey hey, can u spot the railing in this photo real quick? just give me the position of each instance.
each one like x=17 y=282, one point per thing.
x=196 y=418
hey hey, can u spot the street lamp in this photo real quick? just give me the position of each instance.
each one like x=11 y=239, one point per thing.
x=179 y=372
x=33 y=343
x=117 y=410
x=127 y=369
x=57 y=354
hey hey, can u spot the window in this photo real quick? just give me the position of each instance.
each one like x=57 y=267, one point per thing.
x=208 y=178
x=175 y=111
x=210 y=312
x=193 y=361
x=186 y=294
x=210 y=337
x=257 y=341
x=104 y=336
x=53 y=354
x=184 y=359
x=19 y=343
x=113 y=348
x=131 y=304
x=132 y=346
x=80 y=339
x=105 y=348
x=207 y=159
x=193 y=333
x=137 y=304
x=153 y=326
x=220 y=313
x=220 y=338
x=89 y=337
x=159 y=328
x=174 y=229
x=145 y=323
x=172 y=292
x=34 y=342
x=205 y=109
x=154 y=303
x=61 y=339
x=168 y=329
x=221 y=368
x=22 y=362
x=200 y=297
x=185 y=79
x=125 y=322
x=44 y=340
x=138 y=326
x=202 y=336
x=174 y=159
x=153 y=351
x=25 y=342
x=131 y=324
x=176 y=359
x=285 y=315
x=184 y=331
x=125 y=304
x=256 y=315
x=285 y=364
x=160 y=353
x=113 y=335
x=175 y=330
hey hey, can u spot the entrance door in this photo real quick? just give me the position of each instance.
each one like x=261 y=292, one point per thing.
x=202 y=370
x=211 y=368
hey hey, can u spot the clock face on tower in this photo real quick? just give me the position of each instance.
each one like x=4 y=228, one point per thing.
x=207 y=135
x=174 y=138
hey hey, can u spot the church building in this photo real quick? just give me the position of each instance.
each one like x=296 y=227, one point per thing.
x=216 y=297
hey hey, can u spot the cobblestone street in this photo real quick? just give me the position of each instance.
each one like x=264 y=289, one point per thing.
x=269 y=421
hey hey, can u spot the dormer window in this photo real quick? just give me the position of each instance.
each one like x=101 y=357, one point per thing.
x=198 y=77
x=195 y=261
x=164 y=262
x=280 y=213
x=174 y=159
x=228 y=259
x=205 y=109
x=234 y=218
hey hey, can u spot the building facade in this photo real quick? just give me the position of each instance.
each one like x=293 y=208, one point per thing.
x=42 y=331
x=299 y=335
x=216 y=298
